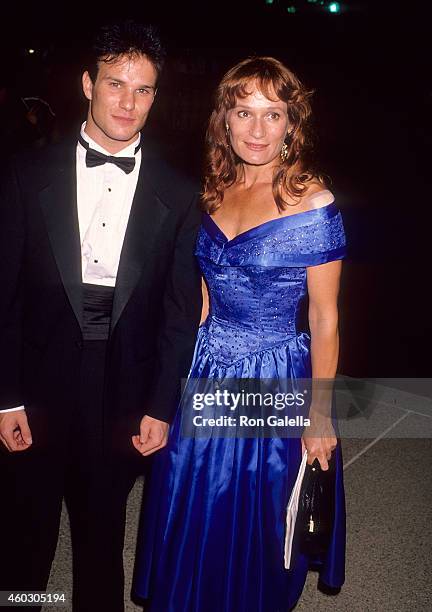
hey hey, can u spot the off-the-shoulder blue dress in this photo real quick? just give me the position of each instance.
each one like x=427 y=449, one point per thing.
x=213 y=525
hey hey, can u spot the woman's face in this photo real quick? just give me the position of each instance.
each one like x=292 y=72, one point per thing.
x=257 y=128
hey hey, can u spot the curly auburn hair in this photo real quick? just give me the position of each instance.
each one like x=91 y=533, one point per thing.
x=291 y=175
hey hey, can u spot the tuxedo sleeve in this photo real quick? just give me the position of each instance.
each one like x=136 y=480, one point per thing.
x=12 y=242
x=181 y=314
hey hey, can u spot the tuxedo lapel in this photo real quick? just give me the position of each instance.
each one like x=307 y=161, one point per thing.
x=59 y=205
x=147 y=215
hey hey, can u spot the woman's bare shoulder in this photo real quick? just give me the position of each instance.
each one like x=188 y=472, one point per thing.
x=316 y=196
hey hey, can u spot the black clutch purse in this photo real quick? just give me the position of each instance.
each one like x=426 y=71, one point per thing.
x=315 y=513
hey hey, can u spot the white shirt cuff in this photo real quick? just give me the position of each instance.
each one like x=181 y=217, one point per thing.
x=12 y=409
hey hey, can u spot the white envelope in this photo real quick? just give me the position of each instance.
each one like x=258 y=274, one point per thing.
x=292 y=509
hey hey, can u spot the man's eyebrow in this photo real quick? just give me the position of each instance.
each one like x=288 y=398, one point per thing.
x=113 y=78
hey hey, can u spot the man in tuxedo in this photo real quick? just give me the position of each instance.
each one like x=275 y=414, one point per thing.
x=99 y=308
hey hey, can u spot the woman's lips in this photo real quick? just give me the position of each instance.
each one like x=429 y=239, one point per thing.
x=255 y=147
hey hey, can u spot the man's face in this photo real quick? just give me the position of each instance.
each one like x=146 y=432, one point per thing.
x=120 y=100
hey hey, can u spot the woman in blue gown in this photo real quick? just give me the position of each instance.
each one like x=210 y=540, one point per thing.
x=213 y=523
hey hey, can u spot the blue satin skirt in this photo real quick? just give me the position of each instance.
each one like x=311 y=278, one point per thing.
x=213 y=522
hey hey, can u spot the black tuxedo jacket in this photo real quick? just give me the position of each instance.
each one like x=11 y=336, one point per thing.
x=157 y=297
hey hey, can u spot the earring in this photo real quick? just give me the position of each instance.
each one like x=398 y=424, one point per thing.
x=284 y=152
x=227 y=134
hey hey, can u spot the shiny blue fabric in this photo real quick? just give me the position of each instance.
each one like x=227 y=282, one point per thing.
x=213 y=525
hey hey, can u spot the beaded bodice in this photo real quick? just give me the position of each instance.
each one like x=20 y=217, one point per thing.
x=257 y=280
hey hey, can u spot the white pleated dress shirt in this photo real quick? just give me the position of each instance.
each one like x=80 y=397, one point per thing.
x=104 y=198
x=104 y=195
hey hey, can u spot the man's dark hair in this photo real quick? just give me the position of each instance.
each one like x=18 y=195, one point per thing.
x=125 y=38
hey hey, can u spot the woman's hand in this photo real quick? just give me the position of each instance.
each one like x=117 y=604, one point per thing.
x=319 y=440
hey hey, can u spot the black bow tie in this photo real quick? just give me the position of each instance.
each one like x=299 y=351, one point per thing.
x=95 y=158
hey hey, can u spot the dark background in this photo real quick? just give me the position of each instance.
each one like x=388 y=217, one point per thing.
x=370 y=67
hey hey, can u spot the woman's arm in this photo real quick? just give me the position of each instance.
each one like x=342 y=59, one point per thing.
x=205 y=301
x=323 y=288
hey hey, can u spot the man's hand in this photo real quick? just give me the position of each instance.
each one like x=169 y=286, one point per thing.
x=15 y=431
x=153 y=436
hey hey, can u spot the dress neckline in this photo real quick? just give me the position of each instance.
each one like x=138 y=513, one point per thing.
x=287 y=221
